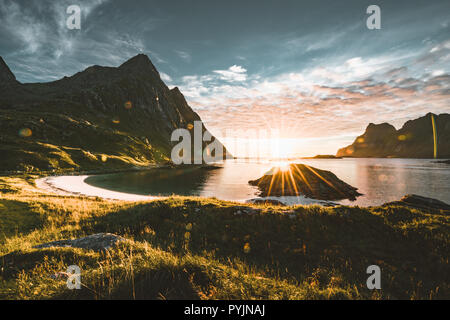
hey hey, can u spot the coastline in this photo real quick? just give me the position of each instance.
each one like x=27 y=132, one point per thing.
x=75 y=186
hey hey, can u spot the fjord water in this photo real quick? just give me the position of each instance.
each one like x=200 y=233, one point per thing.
x=379 y=180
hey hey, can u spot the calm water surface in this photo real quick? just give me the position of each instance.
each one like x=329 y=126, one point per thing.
x=380 y=180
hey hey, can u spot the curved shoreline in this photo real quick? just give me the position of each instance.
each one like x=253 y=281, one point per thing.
x=75 y=186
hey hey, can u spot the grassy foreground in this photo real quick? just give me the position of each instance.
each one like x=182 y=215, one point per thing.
x=194 y=248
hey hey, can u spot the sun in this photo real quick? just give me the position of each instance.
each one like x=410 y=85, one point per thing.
x=284 y=166
x=281 y=148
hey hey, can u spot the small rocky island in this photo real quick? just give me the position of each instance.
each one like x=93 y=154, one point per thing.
x=301 y=179
x=323 y=156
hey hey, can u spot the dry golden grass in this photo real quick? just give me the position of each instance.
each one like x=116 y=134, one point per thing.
x=195 y=248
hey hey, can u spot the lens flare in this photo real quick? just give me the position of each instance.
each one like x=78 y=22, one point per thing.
x=25 y=132
x=350 y=150
x=284 y=166
x=434 y=136
x=128 y=105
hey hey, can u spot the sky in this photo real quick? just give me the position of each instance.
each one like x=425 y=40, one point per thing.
x=309 y=74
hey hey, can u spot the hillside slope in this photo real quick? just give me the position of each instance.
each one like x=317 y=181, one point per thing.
x=102 y=117
x=198 y=248
x=413 y=140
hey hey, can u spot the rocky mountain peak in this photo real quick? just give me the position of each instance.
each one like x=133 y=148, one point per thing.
x=6 y=76
x=382 y=126
x=176 y=93
x=140 y=62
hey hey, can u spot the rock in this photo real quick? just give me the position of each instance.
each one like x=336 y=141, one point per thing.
x=323 y=156
x=329 y=204
x=253 y=211
x=267 y=201
x=96 y=242
x=291 y=215
x=301 y=179
x=59 y=276
x=246 y=210
x=419 y=202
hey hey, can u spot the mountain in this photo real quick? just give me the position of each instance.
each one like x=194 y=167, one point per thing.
x=100 y=117
x=6 y=76
x=414 y=140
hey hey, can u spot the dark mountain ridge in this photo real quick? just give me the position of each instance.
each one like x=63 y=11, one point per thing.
x=6 y=76
x=414 y=140
x=123 y=114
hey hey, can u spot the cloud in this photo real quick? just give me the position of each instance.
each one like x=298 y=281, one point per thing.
x=42 y=33
x=165 y=77
x=42 y=48
x=233 y=74
x=23 y=26
x=295 y=76
x=198 y=86
x=318 y=103
x=318 y=41
x=42 y=38
x=183 y=55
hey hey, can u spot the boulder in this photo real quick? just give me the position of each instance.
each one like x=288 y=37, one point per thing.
x=96 y=242
x=267 y=201
x=245 y=211
x=301 y=179
x=423 y=203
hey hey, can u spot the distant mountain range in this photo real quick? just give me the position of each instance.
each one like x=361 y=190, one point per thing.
x=100 y=117
x=414 y=140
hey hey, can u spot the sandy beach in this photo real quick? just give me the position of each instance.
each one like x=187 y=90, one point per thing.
x=75 y=186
